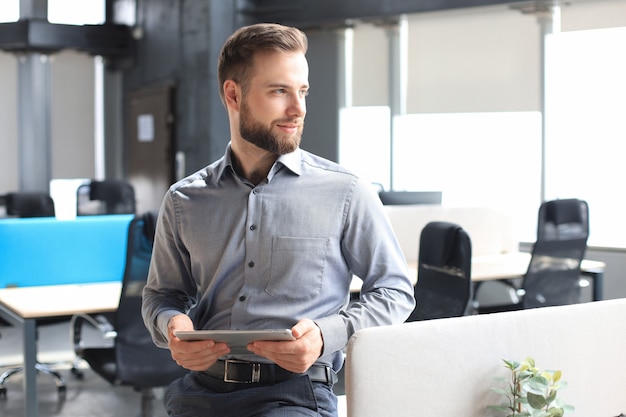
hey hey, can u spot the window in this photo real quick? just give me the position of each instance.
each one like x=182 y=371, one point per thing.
x=9 y=11
x=72 y=12
x=586 y=128
x=475 y=159
x=76 y=12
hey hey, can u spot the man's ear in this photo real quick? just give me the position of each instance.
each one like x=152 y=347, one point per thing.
x=232 y=94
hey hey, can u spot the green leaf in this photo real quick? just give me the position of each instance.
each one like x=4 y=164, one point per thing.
x=502 y=408
x=500 y=391
x=536 y=401
x=511 y=364
x=555 y=412
x=537 y=384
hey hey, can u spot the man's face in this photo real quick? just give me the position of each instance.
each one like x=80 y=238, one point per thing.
x=271 y=115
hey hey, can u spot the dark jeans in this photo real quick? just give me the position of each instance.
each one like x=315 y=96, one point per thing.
x=201 y=395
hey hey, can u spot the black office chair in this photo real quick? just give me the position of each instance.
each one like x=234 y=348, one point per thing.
x=133 y=360
x=553 y=275
x=105 y=197
x=443 y=287
x=31 y=204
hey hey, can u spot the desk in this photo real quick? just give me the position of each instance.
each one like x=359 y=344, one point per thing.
x=509 y=266
x=514 y=265
x=23 y=306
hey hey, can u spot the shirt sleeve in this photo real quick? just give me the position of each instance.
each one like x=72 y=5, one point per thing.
x=372 y=253
x=169 y=280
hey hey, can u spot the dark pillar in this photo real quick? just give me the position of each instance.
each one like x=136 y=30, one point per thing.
x=35 y=162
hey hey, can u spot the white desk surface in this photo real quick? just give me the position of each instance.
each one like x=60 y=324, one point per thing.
x=61 y=300
x=494 y=267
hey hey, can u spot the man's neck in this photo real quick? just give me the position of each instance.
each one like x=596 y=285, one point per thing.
x=251 y=162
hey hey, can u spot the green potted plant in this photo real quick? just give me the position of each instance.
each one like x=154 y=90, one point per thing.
x=530 y=391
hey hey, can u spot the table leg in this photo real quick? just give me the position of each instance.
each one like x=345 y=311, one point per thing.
x=597 y=280
x=598 y=285
x=30 y=372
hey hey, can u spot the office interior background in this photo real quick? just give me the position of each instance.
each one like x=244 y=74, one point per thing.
x=447 y=99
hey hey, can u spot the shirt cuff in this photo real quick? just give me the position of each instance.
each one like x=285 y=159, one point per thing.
x=334 y=333
x=163 y=320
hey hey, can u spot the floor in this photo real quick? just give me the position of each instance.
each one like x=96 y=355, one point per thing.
x=91 y=396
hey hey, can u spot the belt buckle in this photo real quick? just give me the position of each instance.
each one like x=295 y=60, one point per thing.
x=255 y=371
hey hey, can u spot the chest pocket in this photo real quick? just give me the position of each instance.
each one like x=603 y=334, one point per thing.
x=297 y=267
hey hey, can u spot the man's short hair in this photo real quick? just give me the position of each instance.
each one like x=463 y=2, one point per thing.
x=236 y=59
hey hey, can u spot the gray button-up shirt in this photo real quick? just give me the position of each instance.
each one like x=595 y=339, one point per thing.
x=266 y=256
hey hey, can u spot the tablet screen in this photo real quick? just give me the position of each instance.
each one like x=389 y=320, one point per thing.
x=236 y=339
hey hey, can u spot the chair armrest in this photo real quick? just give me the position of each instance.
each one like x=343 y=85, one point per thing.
x=98 y=322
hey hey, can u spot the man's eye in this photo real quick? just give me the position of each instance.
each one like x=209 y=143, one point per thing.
x=304 y=93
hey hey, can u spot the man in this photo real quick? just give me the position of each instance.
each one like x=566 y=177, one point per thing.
x=269 y=237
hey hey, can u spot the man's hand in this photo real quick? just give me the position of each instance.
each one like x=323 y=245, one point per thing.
x=197 y=355
x=295 y=356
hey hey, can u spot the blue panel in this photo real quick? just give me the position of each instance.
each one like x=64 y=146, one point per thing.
x=46 y=251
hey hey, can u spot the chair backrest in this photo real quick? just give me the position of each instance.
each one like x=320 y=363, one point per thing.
x=553 y=273
x=139 y=362
x=29 y=204
x=105 y=197
x=443 y=286
x=563 y=219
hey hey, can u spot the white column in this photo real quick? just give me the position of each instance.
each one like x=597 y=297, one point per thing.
x=548 y=14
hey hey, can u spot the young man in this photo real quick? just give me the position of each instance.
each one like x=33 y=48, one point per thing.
x=269 y=237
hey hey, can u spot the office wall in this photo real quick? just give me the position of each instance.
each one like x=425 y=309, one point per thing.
x=469 y=60
x=594 y=14
x=71 y=117
x=8 y=123
x=484 y=59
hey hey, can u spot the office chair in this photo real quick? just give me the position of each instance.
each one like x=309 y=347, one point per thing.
x=553 y=274
x=133 y=359
x=29 y=204
x=443 y=287
x=105 y=197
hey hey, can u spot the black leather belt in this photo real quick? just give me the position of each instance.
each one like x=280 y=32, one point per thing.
x=244 y=372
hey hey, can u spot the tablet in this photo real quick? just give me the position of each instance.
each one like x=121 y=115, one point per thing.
x=236 y=339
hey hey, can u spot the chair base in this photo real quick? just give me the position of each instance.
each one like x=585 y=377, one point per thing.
x=147 y=401
x=41 y=368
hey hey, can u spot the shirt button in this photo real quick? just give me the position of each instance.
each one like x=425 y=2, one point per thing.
x=251 y=264
x=242 y=298
x=253 y=227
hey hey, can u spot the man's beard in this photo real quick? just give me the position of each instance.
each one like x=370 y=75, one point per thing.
x=258 y=134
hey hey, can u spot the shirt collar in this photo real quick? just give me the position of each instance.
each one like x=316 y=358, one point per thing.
x=290 y=161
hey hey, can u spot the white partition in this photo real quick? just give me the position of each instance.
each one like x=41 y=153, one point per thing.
x=490 y=229
x=446 y=367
